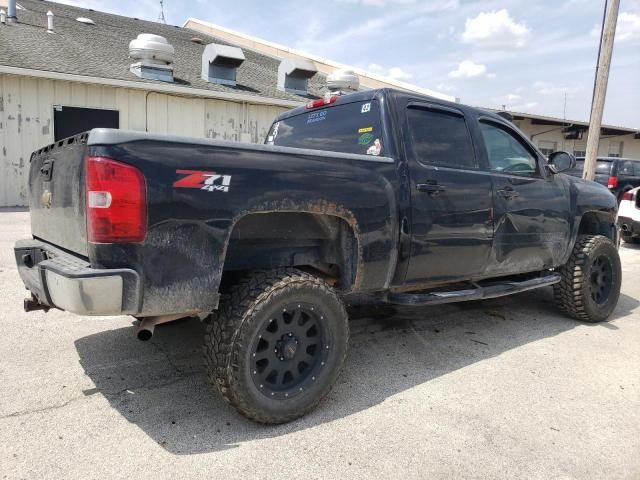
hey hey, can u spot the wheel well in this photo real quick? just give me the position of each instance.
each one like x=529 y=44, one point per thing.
x=596 y=223
x=319 y=243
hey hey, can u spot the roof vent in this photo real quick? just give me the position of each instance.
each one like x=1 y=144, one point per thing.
x=294 y=75
x=220 y=63
x=343 y=81
x=88 y=21
x=153 y=57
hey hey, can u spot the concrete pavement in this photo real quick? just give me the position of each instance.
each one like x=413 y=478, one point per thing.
x=495 y=389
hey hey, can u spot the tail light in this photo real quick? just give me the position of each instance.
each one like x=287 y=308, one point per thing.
x=612 y=182
x=321 y=102
x=628 y=195
x=115 y=202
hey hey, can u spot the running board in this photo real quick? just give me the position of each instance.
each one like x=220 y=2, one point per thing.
x=480 y=292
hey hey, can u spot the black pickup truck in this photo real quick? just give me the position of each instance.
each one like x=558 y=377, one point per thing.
x=411 y=199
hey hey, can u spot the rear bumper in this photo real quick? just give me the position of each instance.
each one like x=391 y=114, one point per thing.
x=629 y=226
x=59 y=279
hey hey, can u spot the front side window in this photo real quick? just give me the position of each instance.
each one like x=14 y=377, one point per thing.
x=506 y=153
x=440 y=138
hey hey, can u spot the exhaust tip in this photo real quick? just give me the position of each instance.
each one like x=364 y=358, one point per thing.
x=145 y=335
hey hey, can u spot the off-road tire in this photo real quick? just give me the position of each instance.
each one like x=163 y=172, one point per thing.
x=573 y=295
x=230 y=339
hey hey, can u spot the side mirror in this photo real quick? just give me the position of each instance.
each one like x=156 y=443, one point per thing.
x=561 y=162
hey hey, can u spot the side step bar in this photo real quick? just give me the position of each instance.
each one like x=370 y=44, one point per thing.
x=480 y=292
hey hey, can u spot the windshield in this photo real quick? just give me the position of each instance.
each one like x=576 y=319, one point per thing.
x=348 y=128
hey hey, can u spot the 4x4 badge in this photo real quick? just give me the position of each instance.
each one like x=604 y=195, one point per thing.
x=209 y=181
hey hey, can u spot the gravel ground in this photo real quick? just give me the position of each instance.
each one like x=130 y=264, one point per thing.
x=495 y=389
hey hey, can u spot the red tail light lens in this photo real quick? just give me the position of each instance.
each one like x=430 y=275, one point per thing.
x=321 y=102
x=115 y=201
x=627 y=196
x=612 y=182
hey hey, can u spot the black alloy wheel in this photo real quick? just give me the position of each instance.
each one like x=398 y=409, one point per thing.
x=289 y=351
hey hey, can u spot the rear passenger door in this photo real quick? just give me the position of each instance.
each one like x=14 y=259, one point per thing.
x=451 y=227
x=531 y=206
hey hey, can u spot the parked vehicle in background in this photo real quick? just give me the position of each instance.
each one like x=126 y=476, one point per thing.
x=619 y=175
x=629 y=216
x=412 y=199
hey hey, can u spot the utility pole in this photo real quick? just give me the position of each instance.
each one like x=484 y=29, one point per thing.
x=600 y=88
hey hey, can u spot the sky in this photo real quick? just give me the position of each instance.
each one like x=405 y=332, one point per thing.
x=521 y=54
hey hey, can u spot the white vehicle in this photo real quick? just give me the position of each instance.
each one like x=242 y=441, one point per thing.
x=629 y=216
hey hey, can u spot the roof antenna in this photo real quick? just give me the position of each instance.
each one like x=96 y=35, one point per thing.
x=161 y=16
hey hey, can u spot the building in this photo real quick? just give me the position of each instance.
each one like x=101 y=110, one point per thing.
x=78 y=75
x=551 y=134
x=548 y=133
x=65 y=69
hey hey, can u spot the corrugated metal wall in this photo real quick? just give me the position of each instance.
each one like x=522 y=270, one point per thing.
x=26 y=120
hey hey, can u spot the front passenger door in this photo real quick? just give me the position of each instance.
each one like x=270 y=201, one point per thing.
x=531 y=206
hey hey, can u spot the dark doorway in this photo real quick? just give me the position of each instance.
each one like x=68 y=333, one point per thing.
x=69 y=121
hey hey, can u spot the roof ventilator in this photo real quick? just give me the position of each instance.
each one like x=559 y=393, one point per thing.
x=340 y=82
x=12 y=16
x=153 y=57
x=220 y=63
x=294 y=75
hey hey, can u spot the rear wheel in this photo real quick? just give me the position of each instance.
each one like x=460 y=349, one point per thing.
x=590 y=285
x=277 y=345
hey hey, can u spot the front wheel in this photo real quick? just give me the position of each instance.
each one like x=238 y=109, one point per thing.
x=591 y=279
x=277 y=345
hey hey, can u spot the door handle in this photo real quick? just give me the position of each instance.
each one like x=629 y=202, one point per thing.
x=507 y=192
x=430 y=188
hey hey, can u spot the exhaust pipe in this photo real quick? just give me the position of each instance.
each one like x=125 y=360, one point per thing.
x=148 y=324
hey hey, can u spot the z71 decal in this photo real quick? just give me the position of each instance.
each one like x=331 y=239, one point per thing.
x=209 y=181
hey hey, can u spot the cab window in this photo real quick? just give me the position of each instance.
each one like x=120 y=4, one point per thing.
x=440 y=138
x=506 y=153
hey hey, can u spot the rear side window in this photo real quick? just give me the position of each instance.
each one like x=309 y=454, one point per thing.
x=603 y=167
x=348 y=128
x=626 y=168
x=440 y=138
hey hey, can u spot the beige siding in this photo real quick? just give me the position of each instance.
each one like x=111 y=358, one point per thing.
x=26 y=120
x=549 y=133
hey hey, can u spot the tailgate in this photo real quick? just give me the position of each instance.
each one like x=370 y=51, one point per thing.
x=56 y=198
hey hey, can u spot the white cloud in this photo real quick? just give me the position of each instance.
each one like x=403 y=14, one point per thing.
x=550 y=89
x=628 y=26
x=399 y=74
x=470 y=69
x=445 y=87
x=495 y=29
x=524 y=106
x=394 y=72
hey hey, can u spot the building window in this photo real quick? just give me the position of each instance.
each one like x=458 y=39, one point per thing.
x=579 y=149
x=69 y=121
x=547 y=147
x=615 y=149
